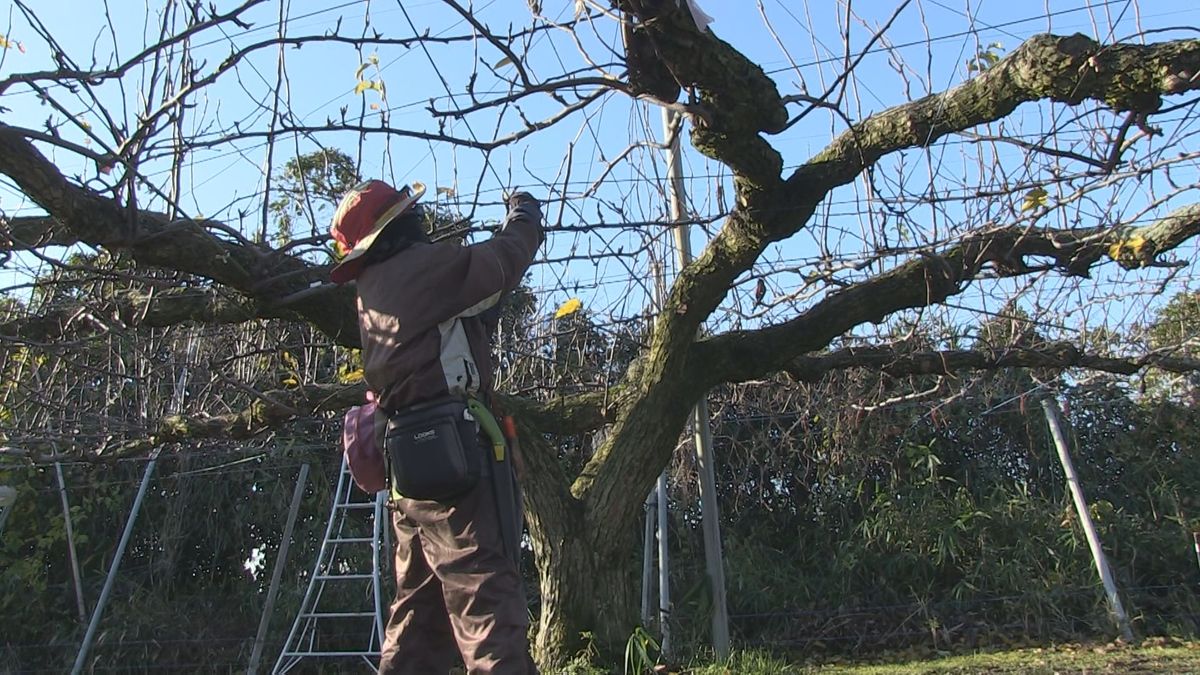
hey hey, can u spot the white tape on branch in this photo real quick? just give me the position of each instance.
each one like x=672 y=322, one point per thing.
x=702 y=20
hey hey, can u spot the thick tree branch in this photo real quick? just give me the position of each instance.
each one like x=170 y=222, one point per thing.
x=271 y=410
x=182 y=245
x=1054 y=355
x=1068 y=70
x=150 y=309
x=28 y=232
x=737 y=100
x=561 y=417
x=927 y=281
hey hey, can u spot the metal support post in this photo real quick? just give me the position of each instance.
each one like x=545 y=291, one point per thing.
x=648 y=557
x=8 y=497
x=81 y=657
x=261 y=638
x=75 y=577
x=1085 y=520
x=664 y=568
x=1196 y=542
x=713 y=557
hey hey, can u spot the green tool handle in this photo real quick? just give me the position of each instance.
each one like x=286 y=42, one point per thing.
x=488 y=423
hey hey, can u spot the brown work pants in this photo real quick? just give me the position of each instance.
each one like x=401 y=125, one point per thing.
x=457 y=592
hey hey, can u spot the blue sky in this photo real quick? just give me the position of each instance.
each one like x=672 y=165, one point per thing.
x=935 y=38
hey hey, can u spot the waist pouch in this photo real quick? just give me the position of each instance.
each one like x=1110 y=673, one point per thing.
x=433 y=451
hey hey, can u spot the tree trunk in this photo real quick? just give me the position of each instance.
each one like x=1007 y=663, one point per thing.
x=585 y=532
x=589 y=599
x=587 y=570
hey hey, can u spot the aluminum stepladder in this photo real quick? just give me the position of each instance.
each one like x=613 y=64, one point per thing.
x=305 y=641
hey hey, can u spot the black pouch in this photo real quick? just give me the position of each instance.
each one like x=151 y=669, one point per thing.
x=433 y=451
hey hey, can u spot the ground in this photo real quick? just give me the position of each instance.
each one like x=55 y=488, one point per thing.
x=1155 y=655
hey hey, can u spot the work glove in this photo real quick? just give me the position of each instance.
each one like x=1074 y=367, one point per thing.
x=524 y=206
x=521 y=198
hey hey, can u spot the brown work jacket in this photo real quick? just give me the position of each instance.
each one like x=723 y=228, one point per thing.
x=419 y=312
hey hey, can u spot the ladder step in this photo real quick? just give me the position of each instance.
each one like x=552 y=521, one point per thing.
x=330 y=654
x=335 y=577
x=304 y=640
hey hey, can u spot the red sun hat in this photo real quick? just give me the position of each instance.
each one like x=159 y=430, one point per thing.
x=361 y=216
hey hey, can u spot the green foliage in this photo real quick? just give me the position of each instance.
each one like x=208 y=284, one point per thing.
x=308 y=189
x=641 y=652
x=985 y=58
x=946 y=524
x=1175 y=331
x=183 y=594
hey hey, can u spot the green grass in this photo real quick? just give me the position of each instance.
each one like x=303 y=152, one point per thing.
x=1151 y=656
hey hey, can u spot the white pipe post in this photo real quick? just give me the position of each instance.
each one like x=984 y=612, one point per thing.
x=81 y=657
x=648 y=557
x=8 y=497
x=260 y=639
x=1085 y=519
x=1196 y=542
x=664 y=568
x=710 y=518
x=62 y=493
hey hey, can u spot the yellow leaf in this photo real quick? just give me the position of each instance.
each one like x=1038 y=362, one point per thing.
x=568 y=308
x=1130 y=248
x=290 y=381
x=362 y=86
x=289 y=360
x=1035 y=198
x=351 y=377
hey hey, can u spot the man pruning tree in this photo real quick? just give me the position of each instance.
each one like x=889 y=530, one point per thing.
x=422 y=311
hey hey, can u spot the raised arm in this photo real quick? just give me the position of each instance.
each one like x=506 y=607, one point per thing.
x=498 y=264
